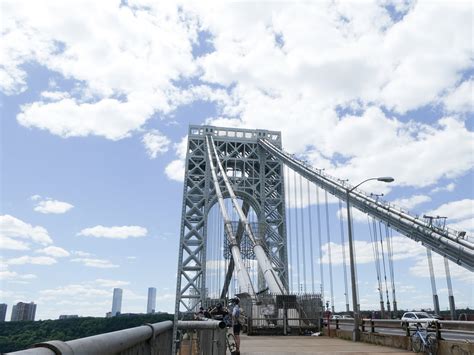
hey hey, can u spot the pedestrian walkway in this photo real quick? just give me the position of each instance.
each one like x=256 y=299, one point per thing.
x=294 y=345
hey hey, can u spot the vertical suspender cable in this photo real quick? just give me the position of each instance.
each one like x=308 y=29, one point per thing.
x=433 y=281
x=311 y=255
x=384 y=268
x=328 y=229
x=298 y=286
x=375 y=250
x=355 y=261
x=452 y=307
x=320 y=240
x=290 y=250
x=390 y=264
x=303 y=247
x=343 y=246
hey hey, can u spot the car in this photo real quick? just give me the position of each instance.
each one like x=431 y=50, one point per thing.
x=421 y=319
x=346 y=316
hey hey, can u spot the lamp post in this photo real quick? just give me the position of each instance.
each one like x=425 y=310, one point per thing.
x=356 y=330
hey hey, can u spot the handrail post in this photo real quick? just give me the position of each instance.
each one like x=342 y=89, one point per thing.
x=438 y=330
x=363 y=325
x=407 y=328
x=372 y=326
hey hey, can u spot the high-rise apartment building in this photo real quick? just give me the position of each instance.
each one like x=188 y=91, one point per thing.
x=3 y=312
x=23 y=311
x=117 y=302
x=151 y=304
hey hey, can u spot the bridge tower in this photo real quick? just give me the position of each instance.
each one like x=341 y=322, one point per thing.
x=257 y=179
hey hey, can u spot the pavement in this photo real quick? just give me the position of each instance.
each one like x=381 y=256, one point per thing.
x=294 y=345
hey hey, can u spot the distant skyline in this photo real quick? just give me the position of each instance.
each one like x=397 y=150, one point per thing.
x=97 y=96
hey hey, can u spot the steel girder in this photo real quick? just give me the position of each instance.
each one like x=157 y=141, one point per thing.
x=257 y=179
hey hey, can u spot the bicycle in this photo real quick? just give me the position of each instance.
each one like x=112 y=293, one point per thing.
x=424 y=341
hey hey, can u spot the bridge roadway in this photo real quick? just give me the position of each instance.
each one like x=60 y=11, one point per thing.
x=294 y=345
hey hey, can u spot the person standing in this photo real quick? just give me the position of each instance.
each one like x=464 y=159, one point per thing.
x=236 y=326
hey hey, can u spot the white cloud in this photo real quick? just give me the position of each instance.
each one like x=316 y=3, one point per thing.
x=35 y=260
x=421 y=269
x=82 y=254
x=12 y=275
x=175 y=170
x=461 y=98
x=52 y=206
x=402 y=247
x=122 y=232
x=455 y=210
x=124 y=60
x=55 y=95
x=155 y=143
x=110 y=283
x=75 y=291
x=411 y=202
x=449 y=187
x=460 y=214
x=11 y=228
x=56 y=252
x=12 y=244
x=35 y=197
x=97 y=263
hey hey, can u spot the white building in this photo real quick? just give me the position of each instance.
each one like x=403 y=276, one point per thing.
x=150 y=308
x=117 y=302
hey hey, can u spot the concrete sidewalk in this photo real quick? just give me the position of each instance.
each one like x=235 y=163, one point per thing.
x=294 y=345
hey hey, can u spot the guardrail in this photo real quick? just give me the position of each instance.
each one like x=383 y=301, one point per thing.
x=439 y=326
x=154 y=339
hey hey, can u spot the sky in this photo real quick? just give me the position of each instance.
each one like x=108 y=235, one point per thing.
x=96 y=99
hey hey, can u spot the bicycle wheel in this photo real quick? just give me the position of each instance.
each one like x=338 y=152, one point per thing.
x=416 y=343
x=231 y=342
x=431 y=344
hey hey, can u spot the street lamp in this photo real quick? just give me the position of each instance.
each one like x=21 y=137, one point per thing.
x=356 y=331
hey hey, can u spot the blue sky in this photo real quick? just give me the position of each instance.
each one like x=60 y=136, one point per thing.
x=96 y=99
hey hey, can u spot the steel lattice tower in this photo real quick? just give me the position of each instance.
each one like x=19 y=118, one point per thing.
x=257 y=179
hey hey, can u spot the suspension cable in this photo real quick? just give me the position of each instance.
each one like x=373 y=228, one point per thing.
x=290 y=252
x=390 y=264
x=310 y=217
x=320 y=240
x=375 y=250
x=303 y=235
x=384 y=269
x=343 y=246
x=328 y=229
x=297 y=236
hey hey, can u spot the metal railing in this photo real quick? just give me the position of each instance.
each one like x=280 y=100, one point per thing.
x=376 y=325
x=195 y=337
